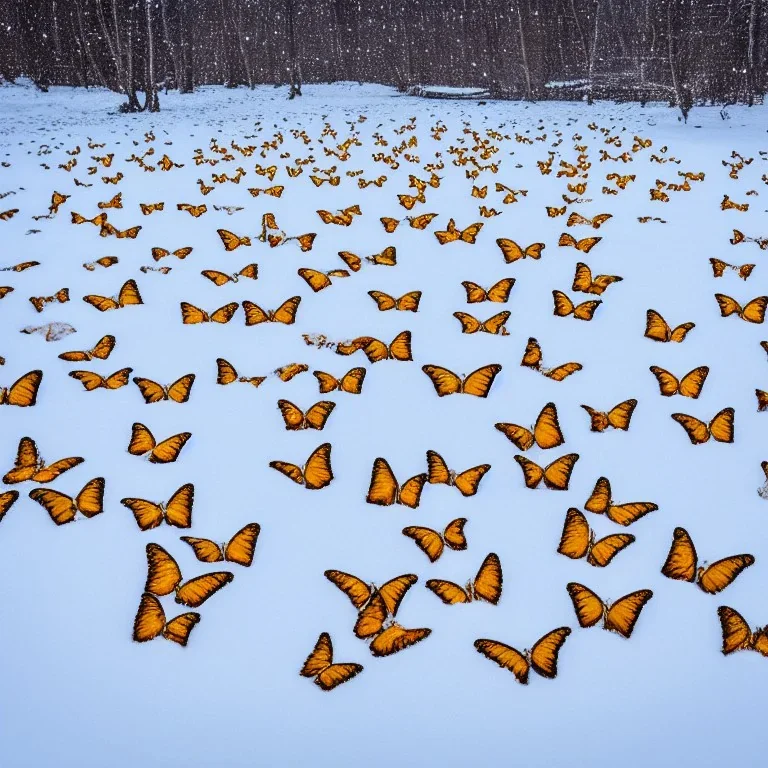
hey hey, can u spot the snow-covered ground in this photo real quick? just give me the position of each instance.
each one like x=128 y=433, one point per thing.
x=77 y=691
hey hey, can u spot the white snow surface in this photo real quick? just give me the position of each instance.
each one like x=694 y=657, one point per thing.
x=77 y=691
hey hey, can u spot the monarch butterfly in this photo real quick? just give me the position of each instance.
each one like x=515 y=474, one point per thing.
x=150 y=623
x=513 y=252
x=319 y=664
x=91 y=380
x=250 y=271
x=385 y=490
x=128 y=296
x=231 y=240
x=318 y=281
x=240 y=548
x=737 y=636
x=227 y=374
x=351 y=381
x=176 y=512
x=148 y=208
x=143 y=443
x=319 y=181
x=276 y=191
x=409 y=201
x=285 y=313
x=21 y=267
x=315 y=417
x=63 y=509
x=315 y=474
x=97 y=221
x=23 y=391
x=466 y=482
x=596 y=222
x=396 y=638
x=287 y=372
x=585 y=245
x=578 y=541
x=479 y=192
x=532 y=359
x=7 y=500
x=621 y=181
x=60 y=297
x=452 y=233
x=553 y=212
x=488 y=213
x=193 y=210
x=344 y=217
x=618 y=417
x=546 y=432
x=121 y=234
x=542 y=657
x=389 y=224
x=601 y=502
x=494 y=325
x=582 y=280
x=57 y=200
x=192 y=315
x=689 y=385
x=752 y=312
x=203 y=187
x=29 y=465
x=498 y=292
x=166 y=164
x=375 y=350
x=619 y=617
x=420 y=222
x=486 y=586
x=511 y=196
x=720 y=428
x=104 y=261
x=432 y=543
x=178 y=391
x=179 y=253
x=657 y=328
x=682 y=564
x=408 y=302
x=164 y=577
x=564 y=307
x=727 y=204
x=268 y=172
x=115 y=202
x=360 y=594
x=477 y=383
x=556 y=476
x=719 y=267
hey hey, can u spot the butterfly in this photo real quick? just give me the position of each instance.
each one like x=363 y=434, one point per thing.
x=29 y=465
x=542 y=657
x=227 y=374
x=657 y=328
x=479 y=192
x=97 y=221
x=285 y=313
x=499 y=292
x=204 y=188
x=408 y=302
x=583 y=281
x=762 y=400
x=513 y=252
x=387 y=258
x=737 y=636
x=319 y=181
x=752 y=312
x=682 y=564
x=432 y=543
x=618 y=417
x=287 y=372
x=720 y=428
x=420 y=222
x=147 y=208
x=115 y=202
x=176 y=512
x=57 y=200
x=389 y=224
x=409 y=201
x=121 y=234
x=104 y=261
x=7 y=500
x=532 y=359
x=351 y=382
x=128 y=296
x=268 y=172
x=600 y=502
x=585 y=245
x=689 y=385
x=556 y=476
x=63 y=509
x=276 y=191
x=21 y=267
x=546 y=432
x=619 y=617
x=23 y=391
x=231 y=240
x=477 y=383
x=596 y=222
x=578 y=541
x=315 y=417
x=486 y=585
x=319 y=664
x=193 y=210
x=494 y=325
x=91 y=380
x=60 y=297
x=344 y=217
x=452 y=233
x=385 y=490
x=152 y=392
x=564 y=307
x=220 y=278
x=375 y=350
x=719 y=267
x=554 y=212
x=318 y=281
x=192 y=315
x=240 y=548
x=143 y=443
x=180 y=253
x=164 y=577
x=467 y=482
x=150 y=622
x=315 y=474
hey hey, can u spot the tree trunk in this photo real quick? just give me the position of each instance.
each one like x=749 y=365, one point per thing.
x=680 y=95
x=294 y=69
x=152 y=101
x=524 y=56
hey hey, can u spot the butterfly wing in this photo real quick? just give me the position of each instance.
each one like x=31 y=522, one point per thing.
x=488 y=582
x=317 y=471
x=574 y=540
x=168 y=450
x=191 y=315
x=722 y=573
x=148 y=514
x=737 y=636
x=499 y=292
x=563 y=305
x=409 y=302
x=396 y=638
x=286 y=312
x=317 y=281
x=546 y=431
x=23 y=392
x=90 y=501
x=532 y=354
x=7 y=500
x=447 y=591
x=437 y=469
x=58 y=505
x=206 y=551
x=292 y=415
x=352 y=381
x=475 y=293
x=468 y=481
x=52 y=471
x=510 y=250
x=383 y=489
x=428 y=541
x=604 y=550
x=320 y=658
x=656 y=327
x=445 y=382
x=697 y=430
x=521 y=437
x=196 y=591
x=620 y=416
x=178 y=629
x=479 y=382
x=163 y=574
x=88 y=379
x=129 y=294
x=180 y=390
x=151 y=391
x=582 y=280
x=545 y=652
x=622 y=616
x=532 y=472
x=242 y=545
x=289 y=470
x=562 y=371
x=469 y=324
x=721 y=426
x=587 y=605
x=393 y=591
x=383 y=300
x=150 y=619
x=142 y=440
x=355 y=589
x=626 y=514
x=506 y=657
x=557 y=475
x=668 y=383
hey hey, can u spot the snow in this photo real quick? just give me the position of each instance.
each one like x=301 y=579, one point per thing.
x=78 y=692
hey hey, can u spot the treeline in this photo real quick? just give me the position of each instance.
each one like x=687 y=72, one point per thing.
x=682 y=51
